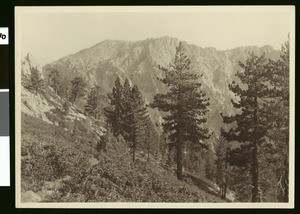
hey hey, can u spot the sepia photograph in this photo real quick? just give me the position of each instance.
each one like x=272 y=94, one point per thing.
x=155 y=106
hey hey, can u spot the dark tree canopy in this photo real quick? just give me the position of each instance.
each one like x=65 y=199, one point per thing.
x=54 y=79
x=94 y=105
x=128 y=114
x=185 y=104
x=253 y=121
x=280 y=118
x=78 y=89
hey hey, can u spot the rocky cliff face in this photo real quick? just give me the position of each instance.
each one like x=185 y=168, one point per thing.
x=138 y=61
x=43 y=105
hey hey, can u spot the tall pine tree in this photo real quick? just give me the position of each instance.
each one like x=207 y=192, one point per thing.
x=185 y=105
x=127 y=115
x=252 y=121
x=280 y=109
x=139 y=118
x=115 y=111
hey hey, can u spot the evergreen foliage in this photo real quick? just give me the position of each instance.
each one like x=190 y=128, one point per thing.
x=78 y=89
x=116 y=102
x=64 y=88
x=185 y=104
x=280 y=119
x=36 y=81
x=252 y=123
x=256 y=135
x=54 y=79
x=129 y=117
x=93 y=106
x=140 y=115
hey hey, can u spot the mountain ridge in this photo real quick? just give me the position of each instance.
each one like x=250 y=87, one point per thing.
x=63 y=137
x=138 y=61
x=269 y=47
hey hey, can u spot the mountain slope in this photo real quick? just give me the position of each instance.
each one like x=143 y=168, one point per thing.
x=58 y=166
x=138 y=61
x=61 y=159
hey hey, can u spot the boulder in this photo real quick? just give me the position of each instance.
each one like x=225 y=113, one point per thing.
x=30 y=197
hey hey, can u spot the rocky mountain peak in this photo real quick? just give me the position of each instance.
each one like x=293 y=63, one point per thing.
x=138 y=61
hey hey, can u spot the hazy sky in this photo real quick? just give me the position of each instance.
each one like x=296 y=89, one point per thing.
x=51 y=33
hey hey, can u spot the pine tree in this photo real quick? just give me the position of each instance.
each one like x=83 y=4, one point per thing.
x=53 y=79
x=280 y=109
x=252 y=121
x=117 y=108
x=78 y=89
x=139 y=116
x=36 y=81
x=127 y=114
x=93 y=106
x=185 y=105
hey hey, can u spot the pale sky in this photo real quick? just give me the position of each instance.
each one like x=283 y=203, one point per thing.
x=50 y=33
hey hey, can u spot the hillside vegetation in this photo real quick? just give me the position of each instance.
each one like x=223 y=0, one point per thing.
x=60 y=167
x=156 y=121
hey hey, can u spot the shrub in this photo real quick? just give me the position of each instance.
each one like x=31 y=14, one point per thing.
x=54 y=157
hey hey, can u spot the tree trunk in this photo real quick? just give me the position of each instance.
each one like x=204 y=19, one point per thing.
x=254 y=172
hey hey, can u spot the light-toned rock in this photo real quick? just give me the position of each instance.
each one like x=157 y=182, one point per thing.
x=30 y=197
